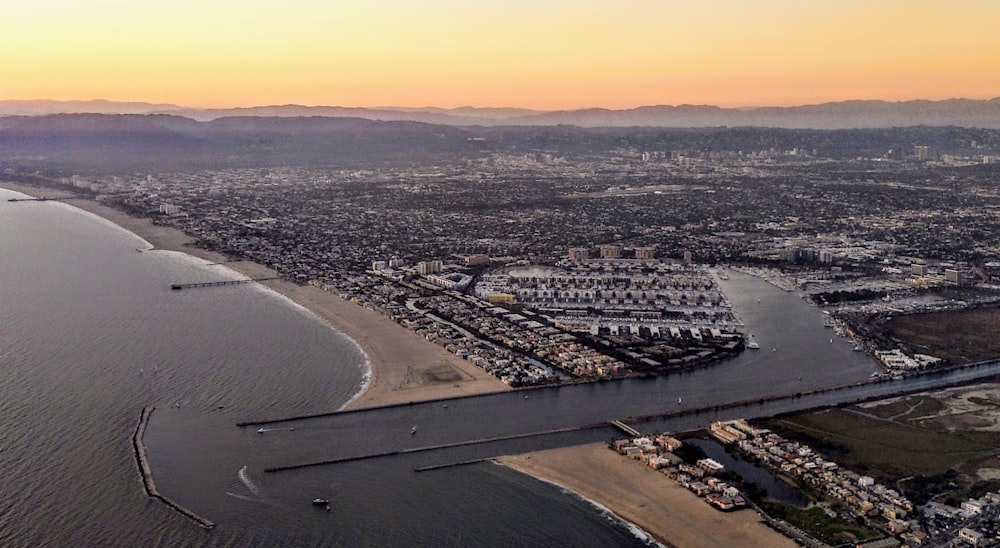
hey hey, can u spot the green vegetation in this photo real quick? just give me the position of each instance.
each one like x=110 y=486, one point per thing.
x=834 y=297
x=924 y=406
x=875 y=445
x=920 y=489
x=817 y=524
x=690 y=453
x=959 y=336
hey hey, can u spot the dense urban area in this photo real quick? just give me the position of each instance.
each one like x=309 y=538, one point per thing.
x=551 y=264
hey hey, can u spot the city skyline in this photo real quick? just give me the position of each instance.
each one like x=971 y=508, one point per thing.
x=554 y=56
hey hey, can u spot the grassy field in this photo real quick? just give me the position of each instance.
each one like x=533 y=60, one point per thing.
x=878 y=446
x=907 y=408
x=818 y=525
x=962 y=336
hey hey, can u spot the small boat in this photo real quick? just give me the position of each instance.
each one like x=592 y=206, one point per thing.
x=831 y=341
x=413 y=430
x=321 y=502
x=445 y=406
x=751 y=343
x=679 y=401
x=261 y=430
x=774 y=350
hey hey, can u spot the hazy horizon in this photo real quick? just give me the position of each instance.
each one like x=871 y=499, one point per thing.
x=556 y=55
x=478 y=107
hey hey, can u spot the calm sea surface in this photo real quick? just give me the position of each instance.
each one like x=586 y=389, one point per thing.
x=90 y=333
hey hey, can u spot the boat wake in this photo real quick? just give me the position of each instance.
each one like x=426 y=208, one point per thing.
x=264 y=430
x=241 y=497
x=245 y=478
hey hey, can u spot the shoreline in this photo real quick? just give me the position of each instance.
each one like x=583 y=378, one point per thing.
x=402 y=366
x=643 y=497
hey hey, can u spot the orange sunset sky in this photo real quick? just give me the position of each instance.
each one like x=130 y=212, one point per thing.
x=557 y=54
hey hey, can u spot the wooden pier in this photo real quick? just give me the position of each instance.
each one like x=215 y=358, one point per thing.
x=38 y=199
x=221 y=282
x=147 y=474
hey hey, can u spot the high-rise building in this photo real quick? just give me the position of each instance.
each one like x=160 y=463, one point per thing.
x=578 y=254
x=644 y=253
x=429 y=267
x=477 y=260
x=610 y=252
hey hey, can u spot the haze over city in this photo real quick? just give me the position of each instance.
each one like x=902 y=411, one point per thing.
x=468 y=273
x=541 y=55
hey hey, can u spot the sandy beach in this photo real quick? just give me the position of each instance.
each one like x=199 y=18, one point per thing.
x=645 y=497
x=404 y=366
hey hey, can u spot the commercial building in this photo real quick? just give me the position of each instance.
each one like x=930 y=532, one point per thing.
x=578 y=254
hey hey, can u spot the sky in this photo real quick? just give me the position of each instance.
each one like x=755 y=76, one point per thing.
x=540 y=54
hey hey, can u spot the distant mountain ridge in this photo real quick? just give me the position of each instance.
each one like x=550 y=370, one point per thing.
x=150 y=142
x=836 y=115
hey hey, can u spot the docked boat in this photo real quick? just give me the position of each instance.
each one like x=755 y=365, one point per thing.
x=320 y=501
x=752 y=344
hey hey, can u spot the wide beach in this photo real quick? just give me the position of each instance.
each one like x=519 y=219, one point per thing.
x=645 y=497
x=404 y=366
x=407 y=368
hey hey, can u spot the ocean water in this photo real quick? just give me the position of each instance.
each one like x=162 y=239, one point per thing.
x=90 y=333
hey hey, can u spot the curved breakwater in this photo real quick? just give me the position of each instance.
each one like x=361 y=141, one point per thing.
x=147 y=474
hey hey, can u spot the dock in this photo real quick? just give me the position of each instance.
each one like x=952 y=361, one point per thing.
x=221 y=282
x=147 y=474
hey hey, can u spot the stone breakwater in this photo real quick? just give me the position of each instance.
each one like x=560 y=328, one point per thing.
x=147 y=474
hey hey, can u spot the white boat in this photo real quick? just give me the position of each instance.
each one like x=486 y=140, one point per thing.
x=261 y=430
x=678 y=400
x=413 y=430
x=752 y=344
x=321 y=502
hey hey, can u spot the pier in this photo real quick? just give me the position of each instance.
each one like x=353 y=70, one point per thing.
x=147 y=474
x=38 y=199
x=221 y=282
